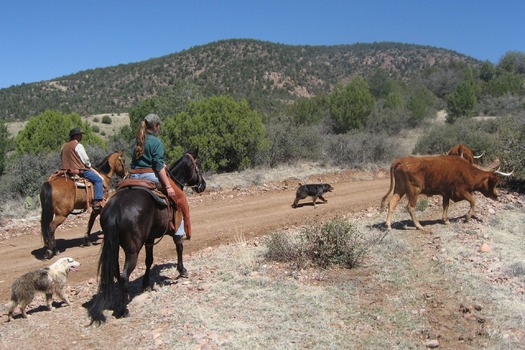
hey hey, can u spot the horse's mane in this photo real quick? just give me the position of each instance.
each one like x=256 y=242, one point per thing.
x=178 y=161
x=104 y=166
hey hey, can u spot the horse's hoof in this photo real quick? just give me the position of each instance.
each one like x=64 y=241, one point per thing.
x=183 y=273
x=48 y=254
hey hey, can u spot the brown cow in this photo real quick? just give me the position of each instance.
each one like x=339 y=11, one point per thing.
x=464 y=152
x=451 y=177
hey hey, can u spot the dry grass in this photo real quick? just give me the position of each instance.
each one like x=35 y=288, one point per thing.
x=410 y=288
x=118 y=120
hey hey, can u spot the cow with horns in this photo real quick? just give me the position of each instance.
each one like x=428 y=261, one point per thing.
x=464 y=152
x=451 y=177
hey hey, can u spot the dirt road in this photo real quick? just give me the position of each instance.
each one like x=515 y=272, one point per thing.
x=218 y=217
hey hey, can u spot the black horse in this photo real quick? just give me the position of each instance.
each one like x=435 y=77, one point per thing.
x=132 y=219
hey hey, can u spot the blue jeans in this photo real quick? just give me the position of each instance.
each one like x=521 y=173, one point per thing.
x=97 y=183
x=145 y=176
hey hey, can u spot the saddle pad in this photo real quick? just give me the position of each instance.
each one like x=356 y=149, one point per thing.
x=160 y=199
x=137 y=182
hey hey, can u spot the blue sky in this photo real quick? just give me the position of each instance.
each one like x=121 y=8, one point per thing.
x=46 y=39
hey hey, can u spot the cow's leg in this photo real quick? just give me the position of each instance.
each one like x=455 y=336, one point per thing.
x=391 y=206
x=411 y=207
x=446 y=203
x=472 y=202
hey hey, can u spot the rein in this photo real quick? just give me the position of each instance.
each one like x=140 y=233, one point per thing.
x=194 y=172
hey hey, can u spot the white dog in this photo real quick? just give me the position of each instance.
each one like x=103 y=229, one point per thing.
x=48 y=280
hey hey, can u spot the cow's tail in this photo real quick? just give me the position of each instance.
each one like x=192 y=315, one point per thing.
x=107 y=265
x=46 y=201
x=392 y=167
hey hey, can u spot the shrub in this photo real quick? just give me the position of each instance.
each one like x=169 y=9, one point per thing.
x=361 y=149
x=106 y=119
x=25 y=174
x=48 y=131
x=290 y=142
x=95 y=128
x=228 y=133
x=505 y=105
x=335 y=242
x=96 y=120
x=480 y=136
x=511 y=147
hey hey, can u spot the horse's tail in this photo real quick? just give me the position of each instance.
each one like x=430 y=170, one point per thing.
x=107 y=264
x=46 y=201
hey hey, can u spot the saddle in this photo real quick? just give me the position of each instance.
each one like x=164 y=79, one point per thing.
x=156 y=192
x=149 y=186
x=80 y=183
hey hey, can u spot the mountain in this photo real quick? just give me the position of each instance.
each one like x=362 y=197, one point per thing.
x=259 y=71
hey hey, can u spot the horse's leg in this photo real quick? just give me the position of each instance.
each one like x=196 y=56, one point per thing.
x=51 y=246
x=92 y=217
x=149 y=262
x=180 y=266
x=123 y=280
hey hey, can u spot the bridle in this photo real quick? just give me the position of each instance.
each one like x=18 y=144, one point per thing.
x=195 y=172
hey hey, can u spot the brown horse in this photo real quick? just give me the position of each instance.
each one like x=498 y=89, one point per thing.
x=60 y=197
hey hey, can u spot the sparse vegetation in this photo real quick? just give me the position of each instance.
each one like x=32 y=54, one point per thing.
x=335 y=242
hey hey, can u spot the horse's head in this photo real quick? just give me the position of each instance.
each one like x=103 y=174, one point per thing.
x=113 y=164
x=118 y=164
x=187 y=172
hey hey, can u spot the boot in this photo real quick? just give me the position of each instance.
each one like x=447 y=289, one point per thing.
x=97 y=205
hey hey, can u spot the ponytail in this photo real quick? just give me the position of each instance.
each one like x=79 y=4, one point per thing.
x=141 y=137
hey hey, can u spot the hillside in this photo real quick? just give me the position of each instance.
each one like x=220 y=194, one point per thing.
x=262 y=72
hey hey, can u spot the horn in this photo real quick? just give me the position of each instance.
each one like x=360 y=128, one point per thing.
x=503 y=174
x=481 y=155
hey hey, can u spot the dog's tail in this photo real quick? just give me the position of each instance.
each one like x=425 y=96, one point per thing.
x=46 y=200
x=107 y=265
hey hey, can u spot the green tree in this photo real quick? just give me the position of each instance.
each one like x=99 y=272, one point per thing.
x=47 y=132
x=394 y=101
x=308 y=111
x=462 y=101
x=351 y=105
x=420 y=104
x=513 y=62
x=505 y=83
x=487 y=71
x=172 y=101
x=4 y=145
x=139 y=111
x=227 y=133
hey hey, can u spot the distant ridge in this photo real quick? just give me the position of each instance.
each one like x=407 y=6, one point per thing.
x=256 y=70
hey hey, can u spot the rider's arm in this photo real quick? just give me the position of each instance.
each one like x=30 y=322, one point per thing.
x=83 y=155
x=163 y=176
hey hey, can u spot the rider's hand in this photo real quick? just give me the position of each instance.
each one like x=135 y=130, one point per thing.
x=170 y=191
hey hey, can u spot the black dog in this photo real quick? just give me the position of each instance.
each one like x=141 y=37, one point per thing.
x=313 y=190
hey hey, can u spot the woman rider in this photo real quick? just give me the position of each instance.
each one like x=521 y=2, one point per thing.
x=147 y=154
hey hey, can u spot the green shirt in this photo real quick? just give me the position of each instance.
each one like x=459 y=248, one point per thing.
x=153 y=156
